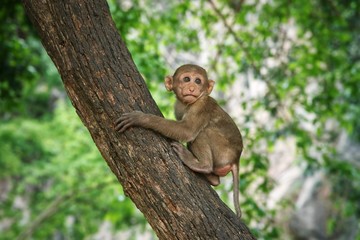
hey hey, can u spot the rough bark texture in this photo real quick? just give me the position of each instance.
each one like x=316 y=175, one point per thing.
x=102 y=82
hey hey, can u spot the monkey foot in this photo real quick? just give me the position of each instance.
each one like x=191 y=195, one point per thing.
x=213 y=179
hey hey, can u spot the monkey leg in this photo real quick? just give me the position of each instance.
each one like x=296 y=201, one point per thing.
x=191 y=161
x=186 y=156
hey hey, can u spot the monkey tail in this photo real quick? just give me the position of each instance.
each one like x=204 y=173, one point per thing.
x=235 y=174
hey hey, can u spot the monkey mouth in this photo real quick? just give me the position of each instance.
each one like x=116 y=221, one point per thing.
x=189 y=98
x=190 y=95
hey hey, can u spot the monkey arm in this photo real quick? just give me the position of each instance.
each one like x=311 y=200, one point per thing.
x=183 y=130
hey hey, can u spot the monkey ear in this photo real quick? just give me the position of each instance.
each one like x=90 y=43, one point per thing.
x=211 y=86
x=169 y=83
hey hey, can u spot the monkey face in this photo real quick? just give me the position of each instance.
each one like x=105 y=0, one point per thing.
x=189 y=83
x=189 y=86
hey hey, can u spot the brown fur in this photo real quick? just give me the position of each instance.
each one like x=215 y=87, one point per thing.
x=213 y=139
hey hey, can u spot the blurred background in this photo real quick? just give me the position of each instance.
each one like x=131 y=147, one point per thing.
x=288 y=72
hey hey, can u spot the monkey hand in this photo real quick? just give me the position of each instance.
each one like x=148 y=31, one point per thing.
x=127 y=120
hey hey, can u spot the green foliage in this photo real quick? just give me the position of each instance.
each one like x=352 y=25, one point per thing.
x=55 y=161
x=24 y=63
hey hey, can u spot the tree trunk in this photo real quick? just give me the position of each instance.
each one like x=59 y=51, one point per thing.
x=102 y=82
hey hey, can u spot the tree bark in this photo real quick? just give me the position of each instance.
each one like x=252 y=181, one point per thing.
x=102 y=82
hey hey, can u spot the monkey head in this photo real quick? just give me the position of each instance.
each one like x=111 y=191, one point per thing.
x=189 y=83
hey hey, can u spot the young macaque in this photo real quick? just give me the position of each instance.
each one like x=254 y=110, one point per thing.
x=213 y=140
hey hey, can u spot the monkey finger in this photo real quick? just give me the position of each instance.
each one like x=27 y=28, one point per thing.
x=177 y=147
x=121 y=119
x=175 y=144
x=123 y=122
x=118 y=121
x=122 y=126
x=118 y=127
x=122 y=129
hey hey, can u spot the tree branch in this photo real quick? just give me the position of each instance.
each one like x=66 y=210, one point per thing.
x=235 y=36
x=102 y=82
x=272 y=89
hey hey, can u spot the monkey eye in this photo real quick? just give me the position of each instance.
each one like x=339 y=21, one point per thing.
x=198 y=81
x=186 y=79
